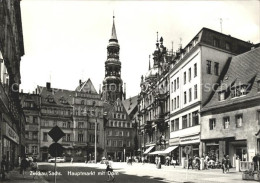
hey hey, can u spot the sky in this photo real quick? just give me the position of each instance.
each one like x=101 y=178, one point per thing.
x=66 y=41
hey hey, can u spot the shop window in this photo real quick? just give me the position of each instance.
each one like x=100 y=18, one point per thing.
x=226 y=122
x=239 y=120
x=212 y=123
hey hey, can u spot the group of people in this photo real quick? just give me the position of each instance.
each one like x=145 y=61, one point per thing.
x=194 y=162
x=23 y=163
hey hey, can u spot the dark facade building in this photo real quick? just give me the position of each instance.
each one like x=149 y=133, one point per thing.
x=31 y=107
x=230 y=120
x=56 y=109
x=11 y=50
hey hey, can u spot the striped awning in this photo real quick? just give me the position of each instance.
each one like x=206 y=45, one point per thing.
x=148 y=150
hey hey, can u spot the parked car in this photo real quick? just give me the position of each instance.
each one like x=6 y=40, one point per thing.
x=58 y=160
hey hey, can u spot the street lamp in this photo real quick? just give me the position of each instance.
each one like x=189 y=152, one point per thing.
x=94 y=106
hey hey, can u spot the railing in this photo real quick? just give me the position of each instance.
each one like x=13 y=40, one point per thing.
x=246 y=165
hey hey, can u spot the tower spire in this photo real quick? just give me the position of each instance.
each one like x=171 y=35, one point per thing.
x=113 y=35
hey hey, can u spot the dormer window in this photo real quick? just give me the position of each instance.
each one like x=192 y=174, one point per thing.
x=239 y=91
x=221 y=96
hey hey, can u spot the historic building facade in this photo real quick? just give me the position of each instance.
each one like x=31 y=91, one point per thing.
x=31 y=107
x=230 y=120
x=56 y=109
x=154 y=103
x=11 y=50
x=193 y=76
x=88 y=121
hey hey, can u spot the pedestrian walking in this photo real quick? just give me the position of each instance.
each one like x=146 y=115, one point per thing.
x=197 y=162
x=143 y=160
x=109 y=170
x=23 y=167
x=228 y=163
x=224 y=164
x=34 y=167
x=3 y=167
x=190 y=160
x=173 y=162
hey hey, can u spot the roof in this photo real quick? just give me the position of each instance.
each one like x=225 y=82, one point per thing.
x=244 y=69
x=60 y=96
x=87 y=87
x=130 y=104
x=113 y=35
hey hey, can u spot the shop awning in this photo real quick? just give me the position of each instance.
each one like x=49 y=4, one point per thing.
x=148 y=150
x=155 y=152
x=168 y=150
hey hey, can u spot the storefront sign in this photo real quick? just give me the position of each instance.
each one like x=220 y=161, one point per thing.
x=190 y=139
x=174 y=141
x=11 y=134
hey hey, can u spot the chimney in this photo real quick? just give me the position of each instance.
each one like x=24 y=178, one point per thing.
x=36 y=91
x=48 y=85
x=80 y=82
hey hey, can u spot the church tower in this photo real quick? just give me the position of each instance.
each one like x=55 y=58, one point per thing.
x=112 y=84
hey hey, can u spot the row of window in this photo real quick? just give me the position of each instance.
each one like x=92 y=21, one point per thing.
x=118 y=133
x=189 y=74
x=91 y=125
x=226 y=122
x=54 y=123
x=31 y=149
x=216 y=68
x=31 y=119
x=176 y=101
x=119 y=143
x=56 y=111
x=216 y=43
x=119 y=124
x=191 y=119
x=119 y=116
x=31 y=135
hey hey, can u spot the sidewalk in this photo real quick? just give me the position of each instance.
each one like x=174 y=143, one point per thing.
x=15 y=176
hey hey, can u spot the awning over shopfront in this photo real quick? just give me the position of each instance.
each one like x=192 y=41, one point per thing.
x=155 y=152
x=168 y=150
x=148 y=150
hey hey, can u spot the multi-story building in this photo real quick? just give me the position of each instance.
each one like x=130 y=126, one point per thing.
x=154 y=101
x=193 y=76
x=88 y=122
x=56 y=109
x=11 y=50
x=31 y=107
x=119 y=132
x=230 y=120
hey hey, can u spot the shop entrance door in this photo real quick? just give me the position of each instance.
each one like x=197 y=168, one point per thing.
x=241 y=152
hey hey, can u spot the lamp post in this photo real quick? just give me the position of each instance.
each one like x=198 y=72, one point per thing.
x=94 y=106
